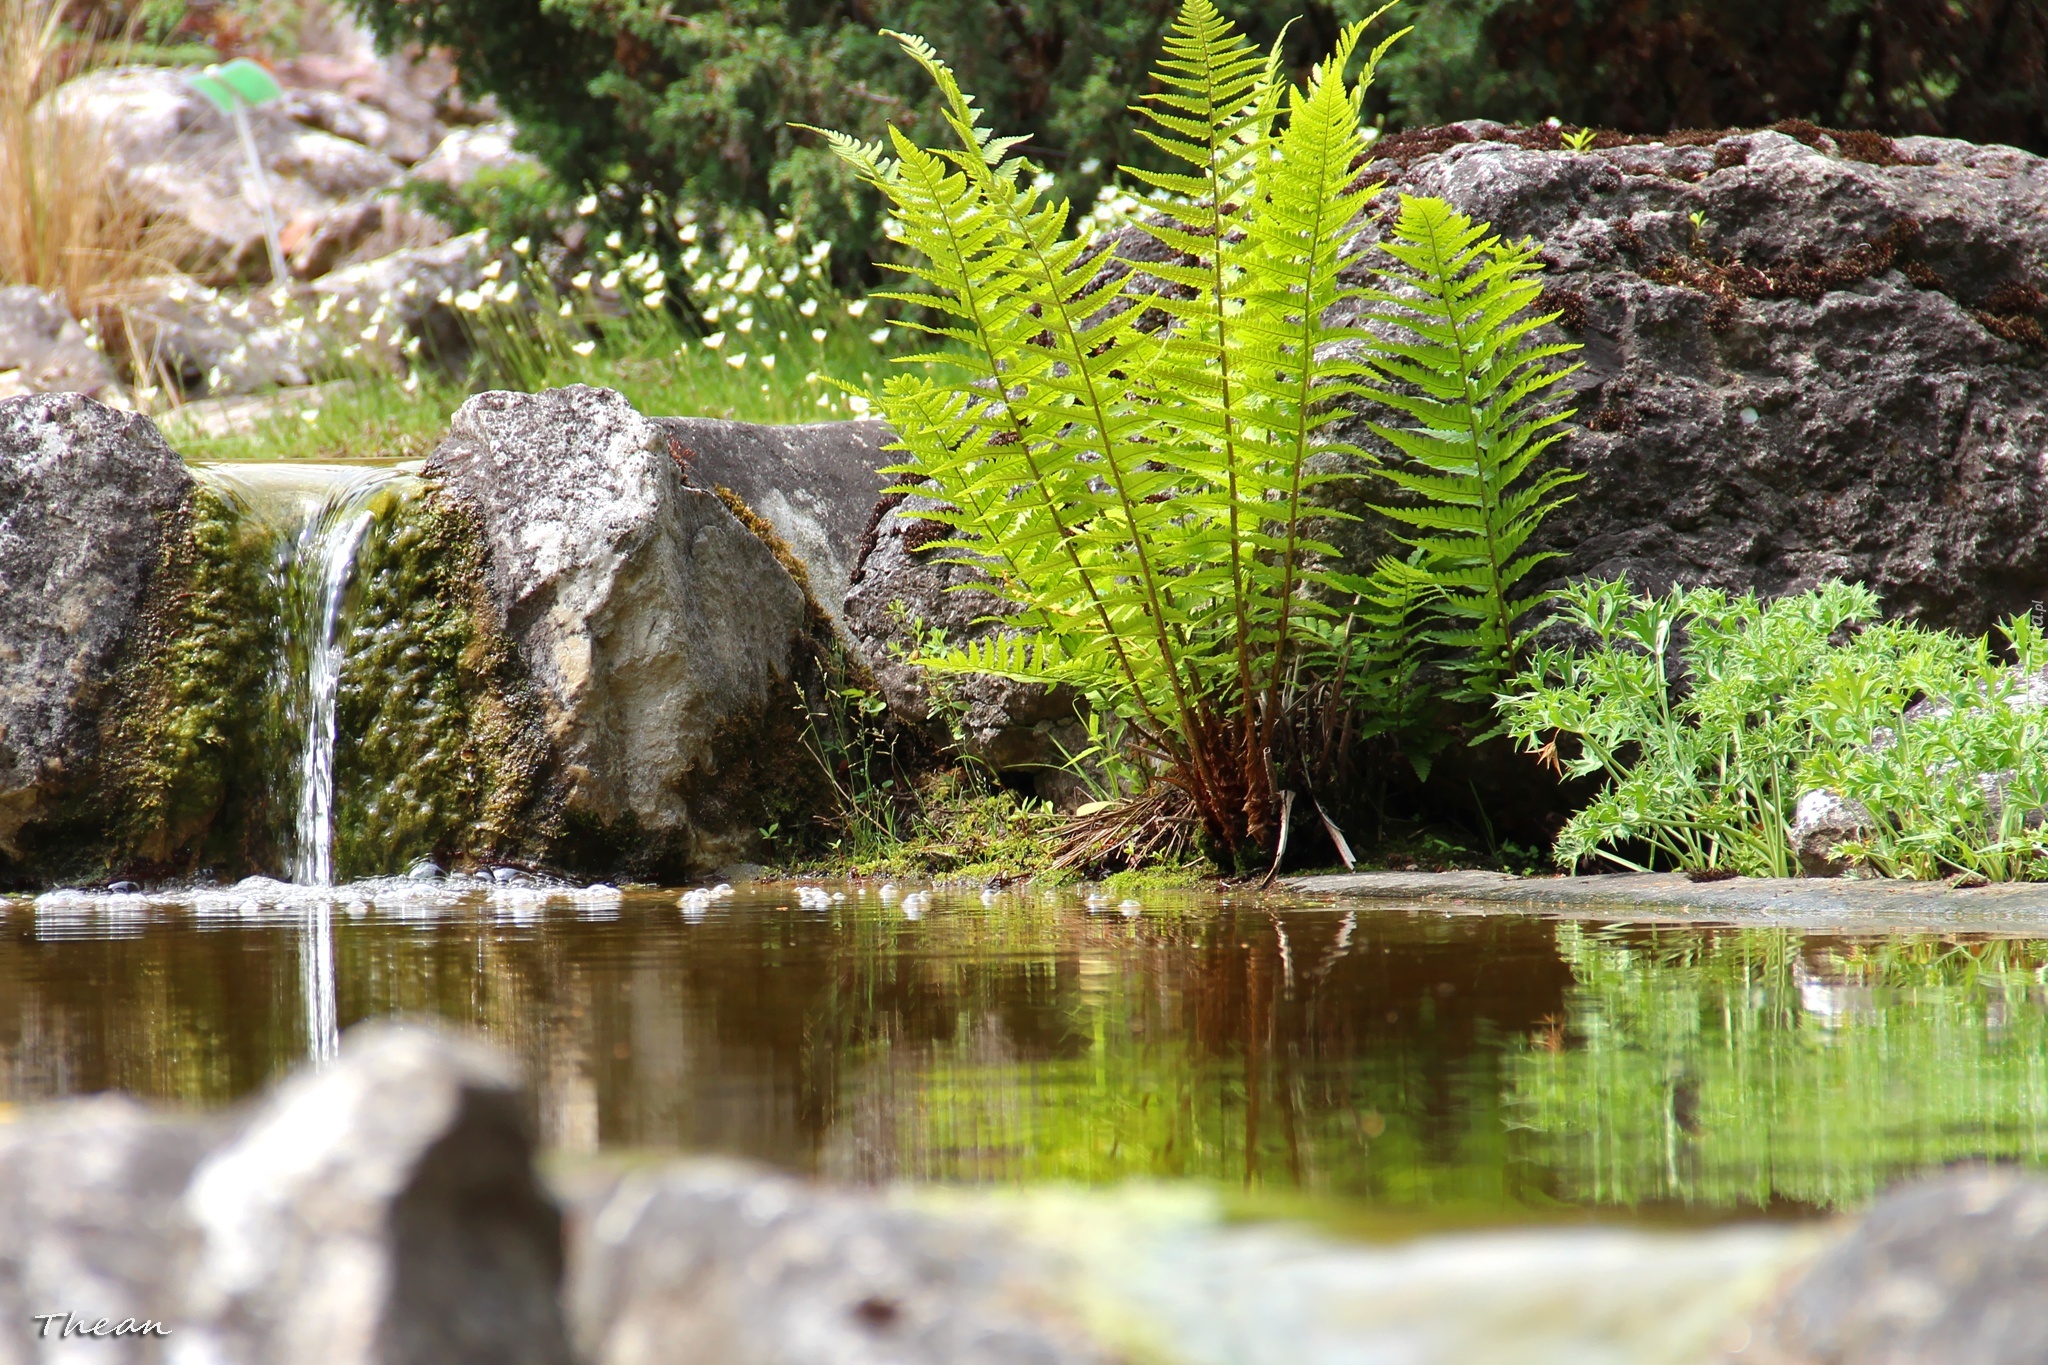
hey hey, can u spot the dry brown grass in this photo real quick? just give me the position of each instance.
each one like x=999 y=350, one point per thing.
x=65 y=227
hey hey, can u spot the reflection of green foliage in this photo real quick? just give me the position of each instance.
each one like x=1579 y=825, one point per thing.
x=1747 y=1067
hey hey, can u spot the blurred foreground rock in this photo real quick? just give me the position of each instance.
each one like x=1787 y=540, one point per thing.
x=1944 y=1272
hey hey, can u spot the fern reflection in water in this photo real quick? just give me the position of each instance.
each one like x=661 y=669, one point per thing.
x=1760 y=1067
x=1130 y=449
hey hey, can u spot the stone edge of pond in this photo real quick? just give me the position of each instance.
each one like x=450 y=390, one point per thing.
x=1669 y=898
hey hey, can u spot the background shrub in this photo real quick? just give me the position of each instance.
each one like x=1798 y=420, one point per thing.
x=692 y=99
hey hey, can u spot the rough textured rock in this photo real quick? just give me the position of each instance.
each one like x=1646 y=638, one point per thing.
x=1840 y=373
x=85 y=494
x=755 y=1269
x=1943 y=1272
x=816 y=485
x=90 y=1225
x=44 y=350
x=902 y=592
x=214 y=343
x=662 y=635
x=178 y=155
x=383 y=1211
x=405 y=141
x=468 y=152
x=1821 y=823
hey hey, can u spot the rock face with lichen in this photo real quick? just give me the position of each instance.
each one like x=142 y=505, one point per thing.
x=88 y=495
x=662 y=638
x=1805 y=358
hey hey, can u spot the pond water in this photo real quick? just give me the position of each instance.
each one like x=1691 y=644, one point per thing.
x=1391 y=1059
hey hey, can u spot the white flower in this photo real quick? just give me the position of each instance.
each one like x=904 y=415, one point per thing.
x=818 y=335
x=736 y=359
x=353 y=306
x=614 y=239
x=856 y=308
x=767 y=362
x=715 y=340
x=1042 y=181
x=522 y=246
x=818 y=252
x=280 y=296
x=309 y=415
x=824 y=400
x=689 y=232
x=656 y=299
x=409 y=288
x=858 y=404
x=702 y=284
x=892 y=227
x=788 y=276
x=297 y=324
x=584 y=348
x=785 y=231
x=610 y=280
x=746 y=324
x=240 y=355
x=741 y=254
x=508 y=290
x=581 y=281
x=370 y=333
x=814 y=273
x=879 y=335
x=1091 y=165
x=241 y=310
x=655 y=281
x=646 y=206
x=813 y=377
x=691 y=257
x=809 y=308
x=412 y=382
x=750 y=279
x=586 y=206
x=712 y=314
x=775 y=291
x=492 y=270
x=412 y=346
x=447 y=295
x=213 y=378
x=469 y=301
x=566 y=310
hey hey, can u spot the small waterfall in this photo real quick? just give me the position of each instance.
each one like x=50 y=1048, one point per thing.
x=328 y=552
x=318 y=516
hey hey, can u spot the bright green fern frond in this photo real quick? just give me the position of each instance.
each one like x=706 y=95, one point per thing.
x=1458 y=357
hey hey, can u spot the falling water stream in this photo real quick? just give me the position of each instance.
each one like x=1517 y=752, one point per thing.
x=318 y=517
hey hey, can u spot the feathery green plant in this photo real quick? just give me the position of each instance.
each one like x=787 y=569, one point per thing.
x=1456 y=355
x=1143 y=491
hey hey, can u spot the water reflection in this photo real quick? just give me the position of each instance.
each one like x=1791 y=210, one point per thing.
x=1395 y=1056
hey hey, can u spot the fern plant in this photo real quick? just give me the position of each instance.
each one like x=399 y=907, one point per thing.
x=1145 y=494
x=1456 y=353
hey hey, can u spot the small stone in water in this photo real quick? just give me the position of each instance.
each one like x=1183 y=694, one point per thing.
x=427 y=870
x=123 y=888
x=504 y=875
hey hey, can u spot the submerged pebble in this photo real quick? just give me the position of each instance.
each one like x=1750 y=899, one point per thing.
x=427 y=870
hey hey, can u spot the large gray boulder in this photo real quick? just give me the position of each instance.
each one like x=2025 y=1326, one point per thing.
x=1947 y=1271
x=904 y=595
x=817 y=485
x=44 y=350
x=382 y=1212
x=175 y=154
x=87 y=493
x=1840 y=373
x=756 y=1269
x=663 y=638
